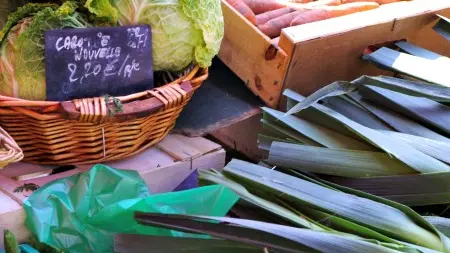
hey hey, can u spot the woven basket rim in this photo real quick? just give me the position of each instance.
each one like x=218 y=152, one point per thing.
x=187 y=77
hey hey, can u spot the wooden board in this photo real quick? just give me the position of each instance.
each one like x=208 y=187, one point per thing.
x=322 y=52
x=243 y=138
x=252 y=56
x=162 y=167
x=331 y=50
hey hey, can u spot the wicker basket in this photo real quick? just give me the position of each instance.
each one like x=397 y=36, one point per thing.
x=84 y=130
x=10 y=152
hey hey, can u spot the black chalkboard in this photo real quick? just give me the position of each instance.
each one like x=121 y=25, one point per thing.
x=91 y=62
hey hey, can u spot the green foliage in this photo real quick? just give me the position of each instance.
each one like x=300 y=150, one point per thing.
x=23 y=45
x=10 y=242
x=21 y=13
x=183 y=31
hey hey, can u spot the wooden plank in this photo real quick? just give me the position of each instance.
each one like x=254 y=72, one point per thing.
x=422 y=11
x=243 y=137
x=252 y=56
x=45 y=180
x=188 y=147
x=178 y=149
x=12 y=217
x=429 y=39
x=8 y=186
x=168 y=178
x=20 y=168
x=332 y=48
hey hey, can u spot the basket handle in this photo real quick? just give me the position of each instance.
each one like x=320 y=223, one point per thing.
x=94 y=110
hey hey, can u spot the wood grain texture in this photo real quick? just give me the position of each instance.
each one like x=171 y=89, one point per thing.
x=252 y=56
x=331 y=50
x=243 y=137
x=322 y=52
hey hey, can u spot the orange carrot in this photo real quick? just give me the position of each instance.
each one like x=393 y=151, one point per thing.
x=388 y=1
x=243 y=9
x=332 y=12
x=375 y=1
x=310 y=16
x=301 y=1
x=261 y=6
x=264 y=17
x=324 y=2
x=274 y=26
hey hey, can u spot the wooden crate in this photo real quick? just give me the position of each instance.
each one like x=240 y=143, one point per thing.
x=163 y=168
x=313 y=55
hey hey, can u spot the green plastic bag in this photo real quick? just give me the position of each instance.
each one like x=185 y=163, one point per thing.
x=24 y=248
x=82 y=213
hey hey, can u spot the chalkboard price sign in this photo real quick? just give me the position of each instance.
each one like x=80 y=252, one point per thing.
x=91 y=62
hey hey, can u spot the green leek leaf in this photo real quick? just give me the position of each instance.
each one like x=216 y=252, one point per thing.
x=164 y=244
x=423 y=110
x=306 y=240
x=421 y=52
x=397 y=121
x=384 y=216
x=410 y=190
x=317 y=133
x=441 y=224
x=399 y=149
x=346 y=163
x=428 y=70
x=443 y=27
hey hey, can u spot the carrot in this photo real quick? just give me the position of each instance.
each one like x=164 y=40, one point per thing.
x=301 y=1
x=264 y=17
x=274 y=26
x=261 y=6
x=332 y=12
x=375 y=1
x=243 y=9
x=325 y=2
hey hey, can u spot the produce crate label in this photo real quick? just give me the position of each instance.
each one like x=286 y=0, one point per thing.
x=91 y=62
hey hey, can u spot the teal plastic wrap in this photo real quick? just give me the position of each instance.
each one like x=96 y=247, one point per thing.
x=81 y=213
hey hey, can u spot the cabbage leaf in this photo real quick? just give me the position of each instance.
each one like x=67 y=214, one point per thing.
x=183 y=31
x=22 y=63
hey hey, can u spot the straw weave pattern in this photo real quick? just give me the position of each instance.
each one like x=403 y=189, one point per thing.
x=49 y=137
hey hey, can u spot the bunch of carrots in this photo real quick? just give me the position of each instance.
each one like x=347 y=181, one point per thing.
x=271 y=16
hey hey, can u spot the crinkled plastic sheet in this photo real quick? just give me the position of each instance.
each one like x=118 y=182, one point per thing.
x=81 y=213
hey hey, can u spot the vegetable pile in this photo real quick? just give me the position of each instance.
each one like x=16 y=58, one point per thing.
x=360 y=166
x=184 y=32
x=271 y=16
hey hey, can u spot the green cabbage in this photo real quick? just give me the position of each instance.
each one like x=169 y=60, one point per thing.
x=22 y=67
x=183 y=31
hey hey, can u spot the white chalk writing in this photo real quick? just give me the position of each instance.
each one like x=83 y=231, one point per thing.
x=94 y=57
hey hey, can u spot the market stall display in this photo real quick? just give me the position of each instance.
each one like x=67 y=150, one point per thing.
x=309 y=56
x=102 y=127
